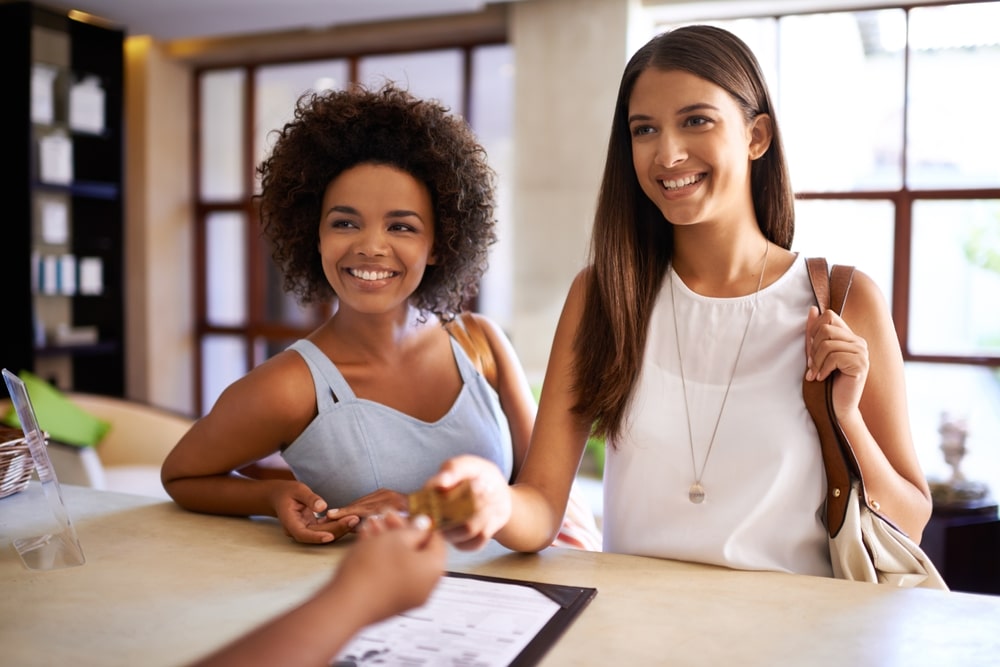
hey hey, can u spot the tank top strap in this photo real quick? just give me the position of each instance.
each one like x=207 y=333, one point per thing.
x=328 y=379
x=465 y=367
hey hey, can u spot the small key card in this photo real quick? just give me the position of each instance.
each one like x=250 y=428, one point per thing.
x=444 y=508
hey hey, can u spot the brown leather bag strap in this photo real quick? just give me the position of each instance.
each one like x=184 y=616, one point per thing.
x=830 y=287
x=841 y=277
x=819 y=278
x=470 y=335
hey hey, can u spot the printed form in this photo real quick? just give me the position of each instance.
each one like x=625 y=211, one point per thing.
x=466 y=621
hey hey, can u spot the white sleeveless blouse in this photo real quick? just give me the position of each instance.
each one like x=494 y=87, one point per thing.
x=764 y=481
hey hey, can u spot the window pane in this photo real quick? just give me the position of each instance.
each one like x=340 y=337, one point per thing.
x=427 y=74
x=491 y=113
x=859 y=233
x=221 y=118
x=953 y=141
x=278 y=87
x=492 y=96
x=281 y=307
x=761 y=35
x=224 y=360
x=225 y=269
x=955 y=277
x=841 y=116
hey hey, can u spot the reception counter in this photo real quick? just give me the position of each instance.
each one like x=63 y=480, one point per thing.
x=162 y=586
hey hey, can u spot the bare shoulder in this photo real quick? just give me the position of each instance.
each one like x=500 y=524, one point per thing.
x=576 y=298
x=865 y=299
x=279 y=391
x=573 y=307
x=494 y=332
x=581 y=279
x=499 y=342
x=867 y=312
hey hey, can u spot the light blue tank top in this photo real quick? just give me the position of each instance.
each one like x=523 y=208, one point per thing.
x=356 y=446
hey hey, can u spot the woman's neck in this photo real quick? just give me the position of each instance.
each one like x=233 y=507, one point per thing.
x=719 y=269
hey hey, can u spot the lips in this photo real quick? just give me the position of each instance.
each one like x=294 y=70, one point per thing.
x=678 y=183
x=371 y=274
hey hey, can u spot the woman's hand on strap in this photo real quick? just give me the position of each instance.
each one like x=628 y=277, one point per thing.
x=831 y=346
x=491 y=499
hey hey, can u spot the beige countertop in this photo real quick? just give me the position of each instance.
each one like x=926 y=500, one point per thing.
x=162 y=586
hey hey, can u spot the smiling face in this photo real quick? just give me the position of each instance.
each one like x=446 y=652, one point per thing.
x=692 y=147
x=376 y=236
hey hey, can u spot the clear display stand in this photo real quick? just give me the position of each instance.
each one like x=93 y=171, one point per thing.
x=36 y=519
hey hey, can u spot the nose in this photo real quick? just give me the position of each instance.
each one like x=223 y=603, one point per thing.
x=372 y=242
x=670 y=150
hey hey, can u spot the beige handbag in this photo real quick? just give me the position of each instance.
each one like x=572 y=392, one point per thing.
x=864 y=545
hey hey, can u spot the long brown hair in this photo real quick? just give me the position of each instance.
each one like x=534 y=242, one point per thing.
x=632 y=244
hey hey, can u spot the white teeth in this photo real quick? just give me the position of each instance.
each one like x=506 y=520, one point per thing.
x=673 y=185
x=371 y=275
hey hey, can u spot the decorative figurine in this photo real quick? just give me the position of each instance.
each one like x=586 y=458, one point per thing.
x=957 y=490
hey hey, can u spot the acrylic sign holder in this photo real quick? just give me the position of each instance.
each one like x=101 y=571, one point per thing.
x=36 y=519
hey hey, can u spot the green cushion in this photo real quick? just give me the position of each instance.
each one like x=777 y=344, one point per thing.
x=58 y=416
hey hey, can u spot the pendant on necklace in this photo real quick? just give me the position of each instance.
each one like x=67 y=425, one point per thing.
x=696 y=493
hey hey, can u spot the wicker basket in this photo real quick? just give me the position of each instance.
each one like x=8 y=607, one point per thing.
x=16 y=464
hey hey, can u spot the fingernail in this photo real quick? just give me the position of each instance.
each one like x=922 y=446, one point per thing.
x=353 y=521
x=422 y=522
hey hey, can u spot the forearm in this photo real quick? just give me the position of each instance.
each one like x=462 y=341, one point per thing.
x=905 y=503
x=310 y=634
x=230 y=494
x=534 y=520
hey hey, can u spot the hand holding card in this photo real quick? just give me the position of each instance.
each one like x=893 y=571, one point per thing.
x=445 y=508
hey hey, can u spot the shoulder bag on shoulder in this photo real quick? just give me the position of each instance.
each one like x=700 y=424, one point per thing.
x=864 y=545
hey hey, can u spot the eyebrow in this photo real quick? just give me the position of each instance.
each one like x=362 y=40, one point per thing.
x=403 y=213
x=397 y=213
x=683 y=110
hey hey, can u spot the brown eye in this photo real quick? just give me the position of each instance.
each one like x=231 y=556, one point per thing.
x=697 y=121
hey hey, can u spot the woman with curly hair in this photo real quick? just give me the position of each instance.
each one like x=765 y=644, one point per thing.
x=382 y=203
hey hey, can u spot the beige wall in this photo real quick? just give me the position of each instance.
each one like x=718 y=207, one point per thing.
x=158 y=228
x=569 y=57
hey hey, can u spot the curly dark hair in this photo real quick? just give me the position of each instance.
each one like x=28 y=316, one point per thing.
x=336 y=130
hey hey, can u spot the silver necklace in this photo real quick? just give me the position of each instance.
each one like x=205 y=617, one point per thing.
x=696 y=493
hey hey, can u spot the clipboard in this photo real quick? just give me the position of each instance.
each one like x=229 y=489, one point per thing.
x=472 y=619
x=571 y=600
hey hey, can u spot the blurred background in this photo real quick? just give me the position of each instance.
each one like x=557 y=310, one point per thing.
x=887 y=110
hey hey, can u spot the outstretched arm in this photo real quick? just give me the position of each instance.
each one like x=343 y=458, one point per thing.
x=526 y=516
x=252 y=419
x=393 y=567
